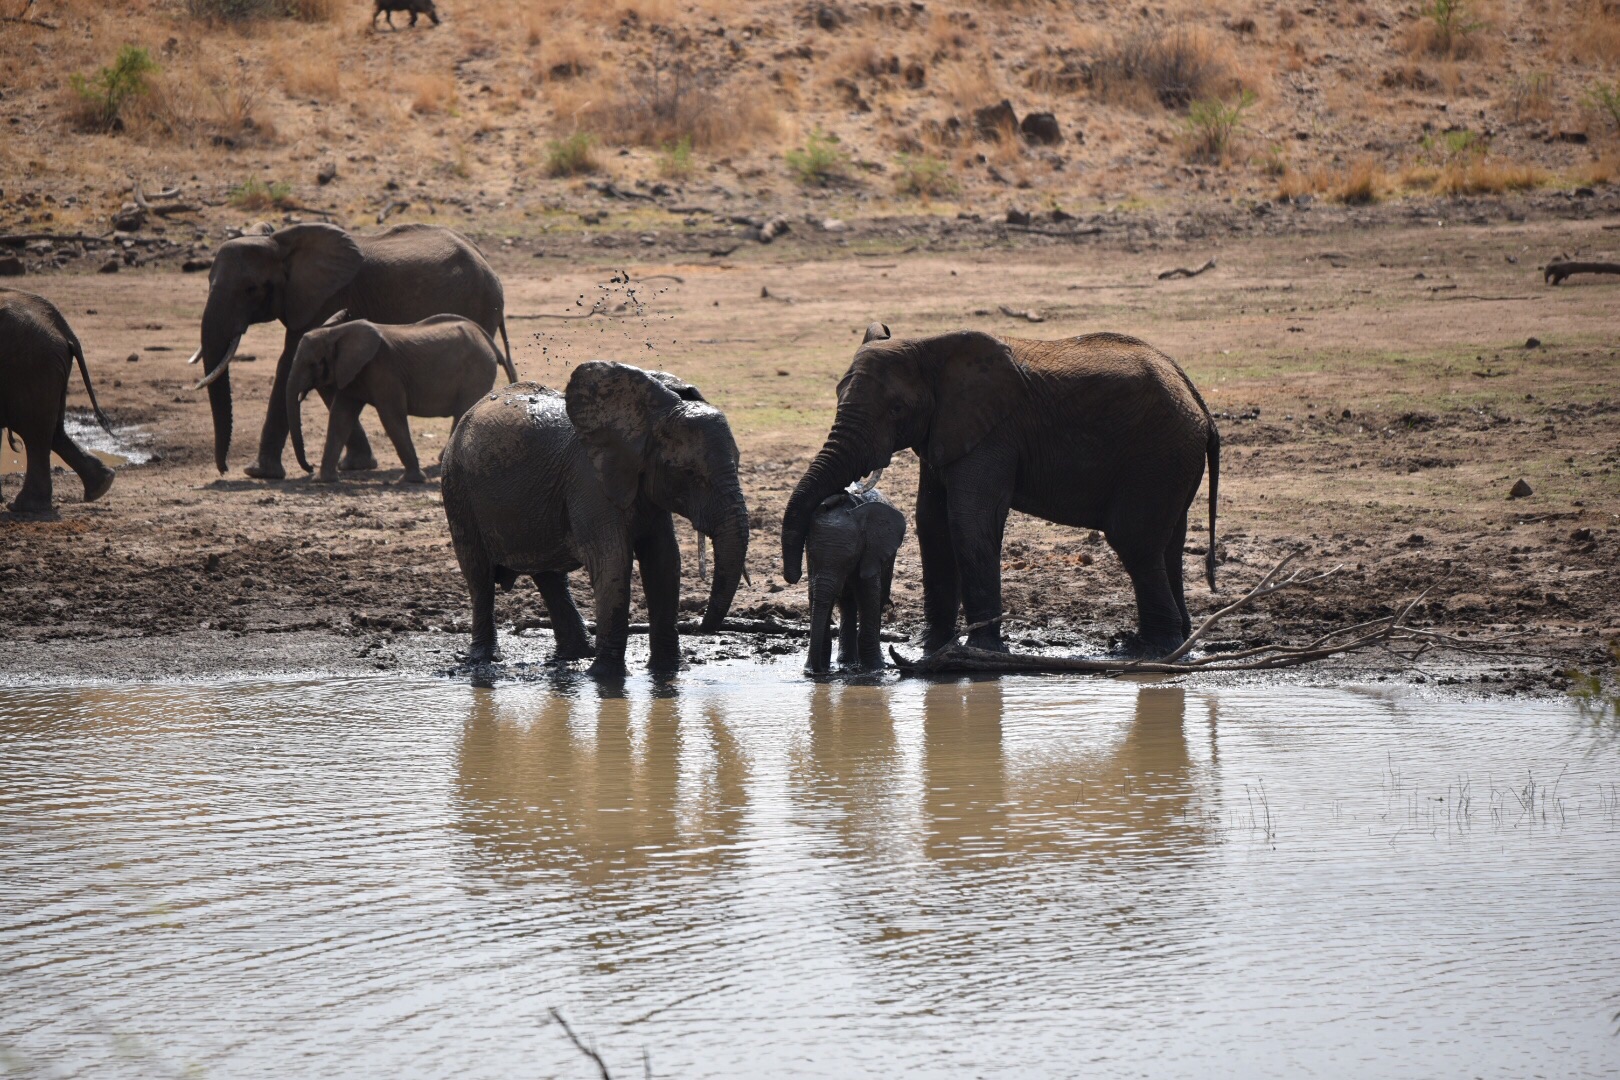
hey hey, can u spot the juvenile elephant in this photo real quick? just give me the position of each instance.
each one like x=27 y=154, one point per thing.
x=37 y=352
x=541 y=483
x=1100 y=431
x=303 y=274
x=415 y=7
x=437 y=367
x=850 y=546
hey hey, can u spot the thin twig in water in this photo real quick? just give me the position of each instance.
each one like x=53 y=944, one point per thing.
x=579 y=1045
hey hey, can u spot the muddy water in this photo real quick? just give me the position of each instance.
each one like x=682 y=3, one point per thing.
x=750 y=874
x=130 y=446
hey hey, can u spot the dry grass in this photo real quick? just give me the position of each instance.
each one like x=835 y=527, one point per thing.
x=968 y=83
x=1594 y=36
x=663 y=98
x=1173 y=67
x=564 y=52
x=1363 y=183
x=308 y=71
x=1604 y=170
x=429 y=92
x=1486 y=177
x=1453 y=29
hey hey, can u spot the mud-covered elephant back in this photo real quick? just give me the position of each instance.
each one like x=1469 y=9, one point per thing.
x=615 y=407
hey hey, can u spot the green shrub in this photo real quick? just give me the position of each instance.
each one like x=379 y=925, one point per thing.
x=1451 y=27
x=819 y=160
x=102 y=96
x=1212 y=125
x=1605 y=100
x=255 y=194
x=1450 y=147
x=675 y=160
x=924 y=176
x=571 y=156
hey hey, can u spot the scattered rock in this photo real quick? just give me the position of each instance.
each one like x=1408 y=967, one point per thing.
x=1060 y=215
x=191 y=266
x=211 y=564
x=129 y=218
x=1031 y=315
x=833 y=225
x=1581 y=536
x=1532 y=343
x=10 y=266
x=1016 y=216
x=776 y=226
x=1041 y=128
x=828 y=17
x=111 y=266
x=133 y=358
x=1415 y=540
x=915 y=75
x=327 y=173
x=1520 y=490
x=993 y=121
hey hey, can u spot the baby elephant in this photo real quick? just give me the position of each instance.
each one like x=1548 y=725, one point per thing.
x=850 y=546
x=415 y=7
x=438 y=367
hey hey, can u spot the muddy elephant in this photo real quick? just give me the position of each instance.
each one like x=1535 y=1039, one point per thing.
x=850 y=547
x=1101 y=431
x=37 y=353
x=437 y=367
x=542 y=483
x=415 y=7
x=302 y=275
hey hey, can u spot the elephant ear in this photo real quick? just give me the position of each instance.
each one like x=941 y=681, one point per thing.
x=885 y=532
x=679 y=386
x=356 y=347
x=319 y=259
x=977 y=384
x=615 y=408
x=876 y=332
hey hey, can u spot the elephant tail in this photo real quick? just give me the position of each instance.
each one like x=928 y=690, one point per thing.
x=511 y=371
x=84 y=373
x=1212 y=449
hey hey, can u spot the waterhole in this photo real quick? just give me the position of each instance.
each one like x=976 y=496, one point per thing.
x=130 y=446
x=750 y=874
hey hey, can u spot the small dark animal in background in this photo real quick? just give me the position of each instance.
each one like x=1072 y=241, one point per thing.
x=851 y=546
x=415 y=7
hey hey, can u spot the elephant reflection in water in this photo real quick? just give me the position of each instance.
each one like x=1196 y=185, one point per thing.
x=540 y=794
x=851 y=773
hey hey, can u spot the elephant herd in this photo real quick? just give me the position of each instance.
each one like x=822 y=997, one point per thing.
x=1100 y=431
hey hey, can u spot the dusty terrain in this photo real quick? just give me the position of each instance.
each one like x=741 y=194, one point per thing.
x=1374 y=387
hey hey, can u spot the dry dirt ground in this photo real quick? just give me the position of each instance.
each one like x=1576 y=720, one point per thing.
x=1374 y=387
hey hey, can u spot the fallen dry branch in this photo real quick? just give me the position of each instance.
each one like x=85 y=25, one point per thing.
x=579 y=1044
x=1556 y=271
x=760 y=627
x=1184 y=272
x=1390 y=632
x=18 y=239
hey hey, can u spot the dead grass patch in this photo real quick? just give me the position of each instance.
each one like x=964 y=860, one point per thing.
x=1594 y=36
x=309 y=71
x=968 y=83
x=1454 y=29
x=1485 y=177
x=664 y=98
x=565 y=52
x=429 y=92
x=1173 y=67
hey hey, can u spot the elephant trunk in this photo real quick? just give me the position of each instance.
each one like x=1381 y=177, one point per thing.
x=730 y=538
x=220 y=336
x=849 y=453
x=299 y=383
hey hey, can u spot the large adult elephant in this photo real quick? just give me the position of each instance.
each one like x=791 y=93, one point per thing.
x=37 y=352
x=302 y=275
x=1101 y=431
x=541 y=483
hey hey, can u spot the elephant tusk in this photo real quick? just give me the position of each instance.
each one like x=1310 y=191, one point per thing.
x=196 y=356
x=868 y=482
x=746 y=579
x=220 y=370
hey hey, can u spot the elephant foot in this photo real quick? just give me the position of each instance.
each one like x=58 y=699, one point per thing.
x=988 y=639
x=97 y=487
x=413 y=476
x=266 y=470
x=606 y=668
x=1139 y=646
x=324 y=477
x=566 y=654
x=480 y=654
x=22 y=505
x=933 y=642
x=350 y=463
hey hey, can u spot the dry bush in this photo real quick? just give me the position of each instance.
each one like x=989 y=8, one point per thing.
x=307 y=71
x=565 y=52
x=1292 y=184
x=1594 y=37
x=1453 y=29
x=1603 y=170
x=1483 y=177
x=429 y=92
x=213 y=104
x=664 y=98
x=968 y=83
x=1173 y=67
x=1365 y=182
x=1529 y=96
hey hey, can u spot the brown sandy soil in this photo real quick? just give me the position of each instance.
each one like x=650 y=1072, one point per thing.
x=1375 y=393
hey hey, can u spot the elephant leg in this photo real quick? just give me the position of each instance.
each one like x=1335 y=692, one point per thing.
x=848 y=622
x=35 y=496
x=610 y=582
x=870 y=593
x=480 y=577
x=1158 y=618
x=979 y=500
x=940 y=596
x=659 y=555
x=93 y=474
x=398 y=426
x=567 y=628
x=345 y=411
x=273 y=436
x=1173 y=553
x=823 y=592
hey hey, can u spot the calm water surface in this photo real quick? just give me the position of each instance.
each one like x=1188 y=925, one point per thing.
x=750 y=874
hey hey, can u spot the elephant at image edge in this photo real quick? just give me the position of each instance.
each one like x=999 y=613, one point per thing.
x=541 y=483
x=1100 y=432
x=302 y=275
x=37 y=352
x=850 y=547
x=437 y=367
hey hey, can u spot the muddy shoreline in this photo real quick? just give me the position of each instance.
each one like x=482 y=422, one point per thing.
x=1375 y=392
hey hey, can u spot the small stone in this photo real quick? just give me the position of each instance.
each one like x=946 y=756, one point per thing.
x=1041 y=128
x=833 y=225
x=1016 y=216
x=327 y=173
x=1416 y=540
x=1532 y=343
x=10 y=266
x=1520 y=490
x=993 y=121
x=1581 y=536
x=1345 y=415
x=133 y=358
x=211 y=564
x=111 y=266
x=191 y=266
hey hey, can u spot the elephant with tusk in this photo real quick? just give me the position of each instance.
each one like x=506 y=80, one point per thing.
x=303 y=274
x=1101 y=431
x=541 y=483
